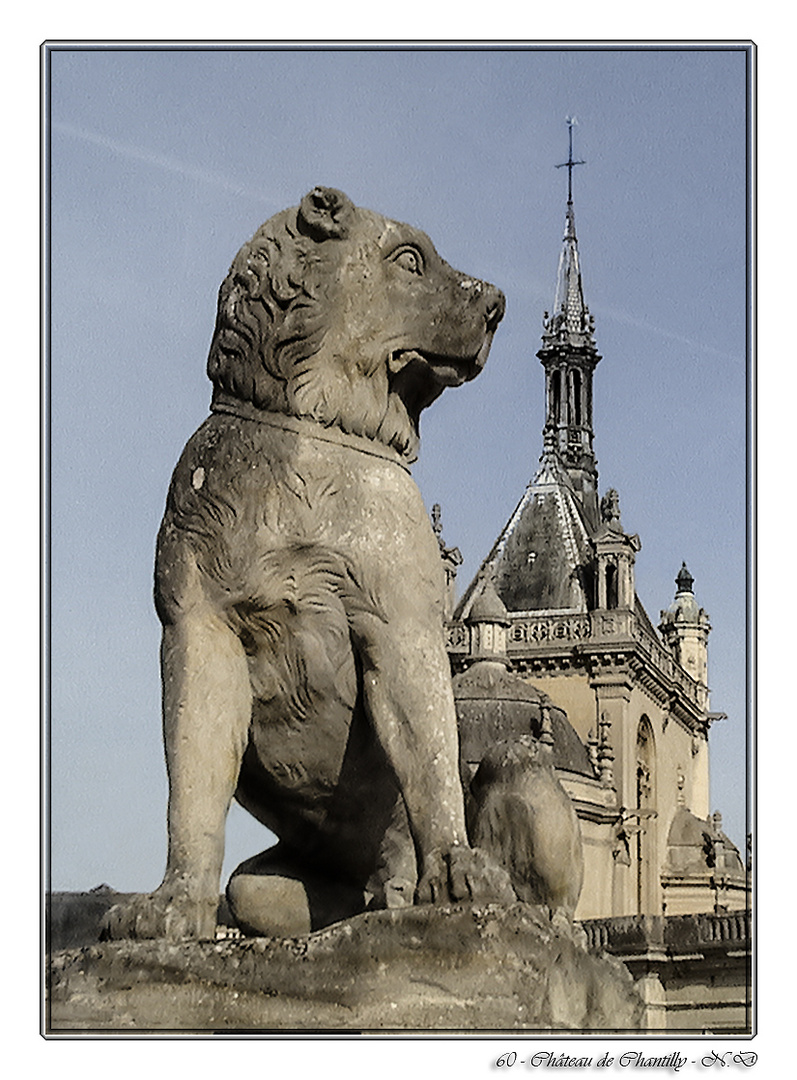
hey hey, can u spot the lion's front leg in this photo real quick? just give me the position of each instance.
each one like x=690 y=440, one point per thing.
x=410 y=702
x=407 y=687
x=206 y=715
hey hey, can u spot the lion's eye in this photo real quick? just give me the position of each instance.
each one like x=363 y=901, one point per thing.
x=410 y=259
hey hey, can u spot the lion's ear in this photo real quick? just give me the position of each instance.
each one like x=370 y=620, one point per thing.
x=325 y=213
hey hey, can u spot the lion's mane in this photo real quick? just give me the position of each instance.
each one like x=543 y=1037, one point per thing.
x=274 y=312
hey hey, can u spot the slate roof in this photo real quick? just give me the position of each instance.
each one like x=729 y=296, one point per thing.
x=542 y=558
x=494 y=705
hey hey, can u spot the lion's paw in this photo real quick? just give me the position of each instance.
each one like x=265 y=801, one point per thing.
x=432 y=886
x=161 y=914
x=464 y=873
x=398 y=892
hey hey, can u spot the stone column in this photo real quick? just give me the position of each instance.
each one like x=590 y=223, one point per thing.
x=626 y=580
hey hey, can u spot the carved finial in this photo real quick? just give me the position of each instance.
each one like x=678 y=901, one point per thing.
x=548 y=441
x=452 y=559
x=450 y=555
x=592 y=751
x=681 y=782
x=437 y=523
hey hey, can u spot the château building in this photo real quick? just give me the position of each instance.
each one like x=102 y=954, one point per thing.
x=551 y=639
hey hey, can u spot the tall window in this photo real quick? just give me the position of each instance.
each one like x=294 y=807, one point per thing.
x=556 y=396
x=611 y=586
x=576 y=397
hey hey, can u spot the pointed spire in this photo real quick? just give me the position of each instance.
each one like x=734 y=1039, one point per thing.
x=569 y=356
x=571 y=319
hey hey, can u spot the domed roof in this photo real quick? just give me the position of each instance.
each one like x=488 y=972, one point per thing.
x=494 y=705
x=488 y=607
x=695 y=846
x=687 y=830
x=684 y=607
x=490 y=681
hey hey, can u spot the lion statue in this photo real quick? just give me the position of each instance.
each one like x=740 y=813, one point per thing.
x=300 y=587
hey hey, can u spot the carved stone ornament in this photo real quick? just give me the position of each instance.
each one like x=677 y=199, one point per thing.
x=610 y=508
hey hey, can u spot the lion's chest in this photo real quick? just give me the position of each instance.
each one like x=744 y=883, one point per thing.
x=244 y=491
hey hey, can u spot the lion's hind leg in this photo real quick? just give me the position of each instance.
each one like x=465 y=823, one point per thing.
x=276 y=893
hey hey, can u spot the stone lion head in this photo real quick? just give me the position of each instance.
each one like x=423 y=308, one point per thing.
x=339 y=315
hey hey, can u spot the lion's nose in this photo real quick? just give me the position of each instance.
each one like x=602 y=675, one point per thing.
x=496 y=307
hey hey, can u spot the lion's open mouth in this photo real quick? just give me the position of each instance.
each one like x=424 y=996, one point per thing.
x=445 y=370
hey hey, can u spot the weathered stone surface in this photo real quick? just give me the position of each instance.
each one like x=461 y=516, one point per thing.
x=494 y=704
x=301 y=591
x=448 y=968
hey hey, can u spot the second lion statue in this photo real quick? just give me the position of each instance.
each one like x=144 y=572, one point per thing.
x=300 y=587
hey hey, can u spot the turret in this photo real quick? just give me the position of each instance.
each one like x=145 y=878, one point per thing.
x=488 y=622
x=615 y=554
x=685 y=629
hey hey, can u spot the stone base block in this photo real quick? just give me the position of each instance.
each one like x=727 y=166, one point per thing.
x=456 y=969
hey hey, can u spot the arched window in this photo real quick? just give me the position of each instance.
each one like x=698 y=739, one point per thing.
x=556 y=396
x=576 y=417
x=611 y=586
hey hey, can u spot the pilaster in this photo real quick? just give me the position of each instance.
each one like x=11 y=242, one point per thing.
x=612 y=690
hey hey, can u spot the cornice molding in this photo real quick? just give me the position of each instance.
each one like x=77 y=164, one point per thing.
x=617 y=651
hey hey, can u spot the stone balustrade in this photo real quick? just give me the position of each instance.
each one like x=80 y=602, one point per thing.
x=663 y=659
x=547 y=629
x=531 y=631
x=675 y=933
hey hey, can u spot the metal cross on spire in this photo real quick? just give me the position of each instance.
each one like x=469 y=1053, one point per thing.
x=570 y=163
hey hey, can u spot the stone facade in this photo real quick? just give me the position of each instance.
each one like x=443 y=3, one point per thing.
x=644 y=723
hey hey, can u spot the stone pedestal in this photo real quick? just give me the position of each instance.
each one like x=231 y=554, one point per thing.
x=457 y=969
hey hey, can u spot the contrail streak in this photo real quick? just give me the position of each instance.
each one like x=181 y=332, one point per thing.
x=161 y=161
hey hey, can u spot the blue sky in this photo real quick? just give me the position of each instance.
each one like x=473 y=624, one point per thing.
x=164 y=162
